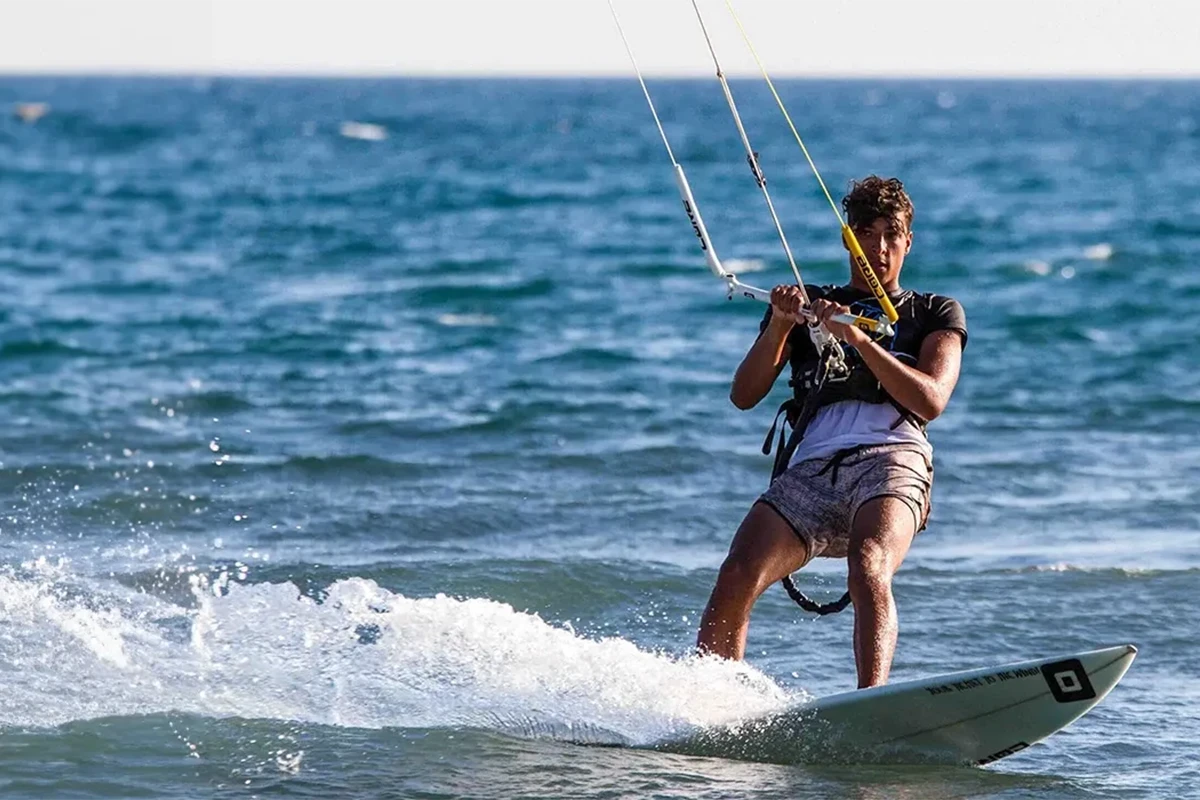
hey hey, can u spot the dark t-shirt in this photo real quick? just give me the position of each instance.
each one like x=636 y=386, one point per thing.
x=920 y=315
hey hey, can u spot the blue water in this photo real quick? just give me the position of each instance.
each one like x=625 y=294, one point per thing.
x=381 y=467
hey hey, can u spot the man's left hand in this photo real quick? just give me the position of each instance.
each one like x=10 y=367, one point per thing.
x=825 y=310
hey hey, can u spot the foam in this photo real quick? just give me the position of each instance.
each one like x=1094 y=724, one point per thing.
x=361 y=656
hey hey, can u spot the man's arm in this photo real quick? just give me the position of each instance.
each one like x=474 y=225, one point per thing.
x=770 y=352
x=762 y=364
x=925 y=389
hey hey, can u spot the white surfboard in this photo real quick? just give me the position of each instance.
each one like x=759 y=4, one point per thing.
x=971 y=717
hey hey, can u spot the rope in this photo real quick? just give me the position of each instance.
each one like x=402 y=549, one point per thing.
x=642 y=81
x=829 y=348
x=751 y=156
x=783 y=108
x=860 y=258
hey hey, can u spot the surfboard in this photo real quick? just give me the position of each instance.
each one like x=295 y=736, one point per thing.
x=972 y=717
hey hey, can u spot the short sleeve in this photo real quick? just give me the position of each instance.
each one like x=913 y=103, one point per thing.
x=947 y=314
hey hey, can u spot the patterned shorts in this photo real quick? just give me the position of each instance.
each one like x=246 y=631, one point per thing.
x=819 y=497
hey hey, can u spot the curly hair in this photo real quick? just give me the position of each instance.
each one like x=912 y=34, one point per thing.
x=874 y=197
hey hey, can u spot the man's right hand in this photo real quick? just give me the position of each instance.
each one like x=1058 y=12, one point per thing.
x=787 y=303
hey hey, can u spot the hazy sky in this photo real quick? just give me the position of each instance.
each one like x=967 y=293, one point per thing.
x=838 y=37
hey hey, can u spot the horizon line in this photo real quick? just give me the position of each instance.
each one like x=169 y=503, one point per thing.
x=300 y=74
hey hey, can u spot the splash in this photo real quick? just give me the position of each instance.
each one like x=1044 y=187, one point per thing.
x=358 y=656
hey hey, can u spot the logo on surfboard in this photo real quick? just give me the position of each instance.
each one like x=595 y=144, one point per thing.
x=1008 y=751
x=1068 y=681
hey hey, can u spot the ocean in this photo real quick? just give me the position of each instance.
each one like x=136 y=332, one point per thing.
x=384 y=460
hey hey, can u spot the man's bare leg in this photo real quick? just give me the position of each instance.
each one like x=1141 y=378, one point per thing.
x=879 y=539
x=764 y=550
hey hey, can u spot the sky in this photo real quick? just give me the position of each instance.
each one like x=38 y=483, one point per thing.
x=947 y=38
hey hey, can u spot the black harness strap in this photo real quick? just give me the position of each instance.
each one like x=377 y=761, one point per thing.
x=783 y=454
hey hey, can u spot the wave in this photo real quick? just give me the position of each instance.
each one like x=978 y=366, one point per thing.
x=349 y=467
x=359 y=656
x=1052 y=567
x=459 y=295
x=467 y=320
x=587 y=357
x=206 y=403
x=24 y=348
x=107 y=137
x=1123 y=572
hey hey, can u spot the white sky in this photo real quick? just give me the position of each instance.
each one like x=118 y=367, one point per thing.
x=574 y=37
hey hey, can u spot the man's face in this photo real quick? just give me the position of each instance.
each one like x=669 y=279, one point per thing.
x=885 y=243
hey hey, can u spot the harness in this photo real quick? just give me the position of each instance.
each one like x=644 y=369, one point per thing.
x=797 y=414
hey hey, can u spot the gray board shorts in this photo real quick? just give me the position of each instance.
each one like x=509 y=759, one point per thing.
x=819 y=497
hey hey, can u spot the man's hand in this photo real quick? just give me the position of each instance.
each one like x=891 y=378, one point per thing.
x=787 y=305
x=825 y=310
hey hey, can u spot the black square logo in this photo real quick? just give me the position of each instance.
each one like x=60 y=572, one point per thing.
x=1068 y=681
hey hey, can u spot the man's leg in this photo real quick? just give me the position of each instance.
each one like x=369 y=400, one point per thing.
x=880 y=536
x=764 y=550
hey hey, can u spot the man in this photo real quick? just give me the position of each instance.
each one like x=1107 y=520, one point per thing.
x=858 y=484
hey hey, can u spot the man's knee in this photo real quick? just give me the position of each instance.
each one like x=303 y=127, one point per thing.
x=763 y=551
x=870 y=565
x=879 y=540
x=742 y=572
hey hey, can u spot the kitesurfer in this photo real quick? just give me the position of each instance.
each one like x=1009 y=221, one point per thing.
x=857 y=484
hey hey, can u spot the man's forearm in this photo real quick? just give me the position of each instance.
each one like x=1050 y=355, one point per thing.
x=910 y=387
x=756 y=374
